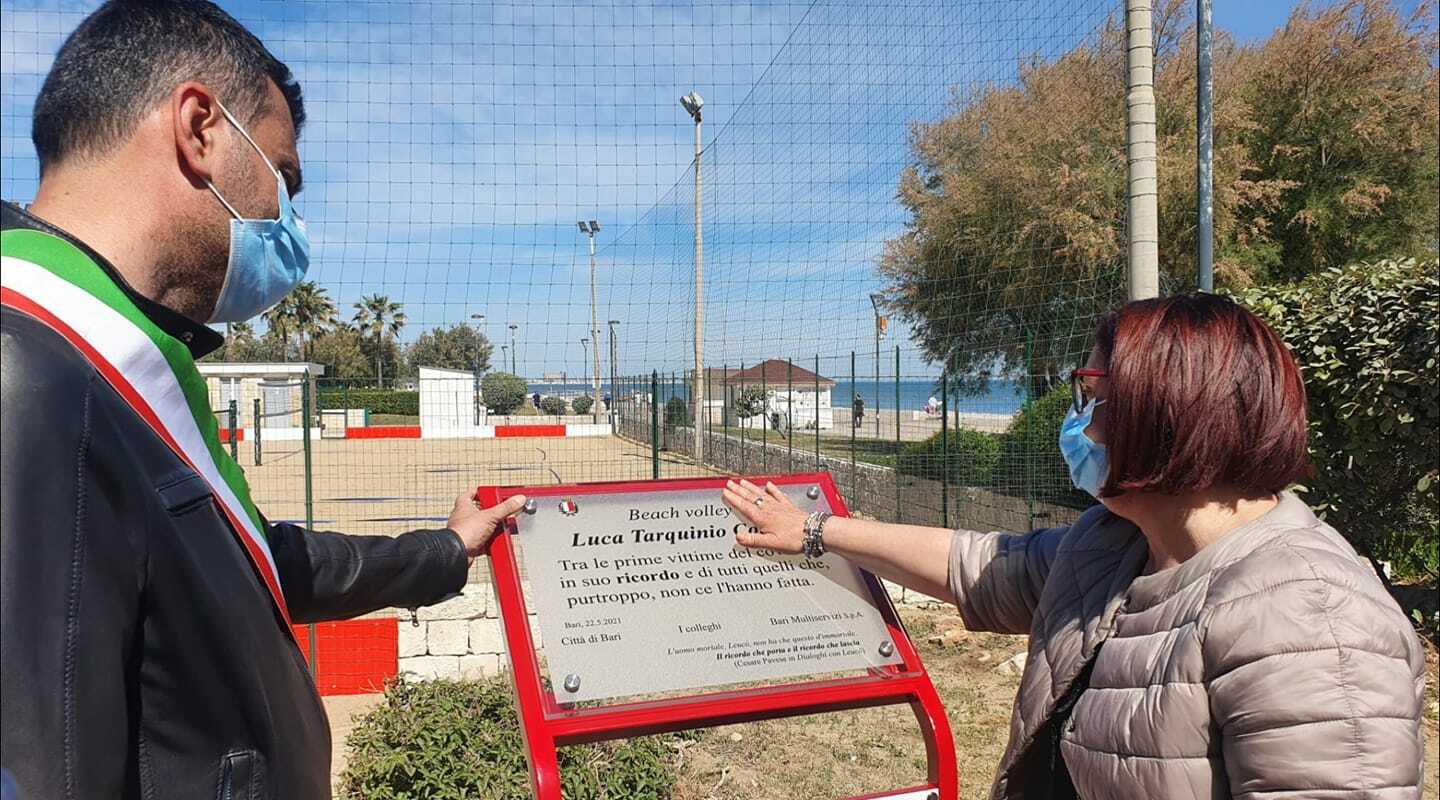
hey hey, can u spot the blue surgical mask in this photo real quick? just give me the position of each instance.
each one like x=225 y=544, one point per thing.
x=1088 y=462
x=268 y=257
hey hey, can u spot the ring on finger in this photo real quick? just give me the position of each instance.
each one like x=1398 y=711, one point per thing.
x=759 y=501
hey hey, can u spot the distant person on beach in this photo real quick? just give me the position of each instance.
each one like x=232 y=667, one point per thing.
x=859 y=410
x=1199 y=632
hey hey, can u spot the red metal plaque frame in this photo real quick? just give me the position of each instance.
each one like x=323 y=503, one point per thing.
x=546 y=724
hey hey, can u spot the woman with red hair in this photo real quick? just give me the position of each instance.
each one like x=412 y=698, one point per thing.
x=1199 y=632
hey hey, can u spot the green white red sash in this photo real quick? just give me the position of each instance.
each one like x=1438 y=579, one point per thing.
x=53 y=281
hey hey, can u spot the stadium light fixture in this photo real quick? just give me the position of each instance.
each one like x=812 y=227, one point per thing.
x=693 y=102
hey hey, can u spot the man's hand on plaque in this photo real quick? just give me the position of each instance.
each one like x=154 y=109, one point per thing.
x=775 y=521
x=476 y=526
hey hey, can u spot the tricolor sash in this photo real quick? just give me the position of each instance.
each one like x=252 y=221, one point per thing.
x=48 y=278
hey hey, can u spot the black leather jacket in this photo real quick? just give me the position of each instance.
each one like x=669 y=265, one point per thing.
x=140 y=656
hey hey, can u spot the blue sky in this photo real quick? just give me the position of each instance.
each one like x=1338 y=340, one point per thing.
x=452 y=146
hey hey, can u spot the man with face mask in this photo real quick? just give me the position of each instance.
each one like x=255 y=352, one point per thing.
x=145 y=625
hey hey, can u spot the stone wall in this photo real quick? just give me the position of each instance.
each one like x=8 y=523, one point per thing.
x=459 y=638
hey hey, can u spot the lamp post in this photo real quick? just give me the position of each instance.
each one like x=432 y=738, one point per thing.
x=585 y=358
x=480 y=323
x=875 y=304
x=692 y=103
x=513 y=369
x=614 y=372
x=590 y=230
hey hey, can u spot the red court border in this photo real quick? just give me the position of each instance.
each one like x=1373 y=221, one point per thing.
x=515 y=431
x=546 y=725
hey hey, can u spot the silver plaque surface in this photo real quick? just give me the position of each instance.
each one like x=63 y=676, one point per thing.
x=643 y=593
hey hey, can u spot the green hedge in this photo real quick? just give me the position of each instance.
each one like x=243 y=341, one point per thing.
x=447 y=740
x=376 y=401
x=581 y=405
x=1367 y=337
x=971 y=458
x=554 y=406
x=1025 y=461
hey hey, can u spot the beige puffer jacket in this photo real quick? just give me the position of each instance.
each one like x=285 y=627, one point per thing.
x=1273 y=664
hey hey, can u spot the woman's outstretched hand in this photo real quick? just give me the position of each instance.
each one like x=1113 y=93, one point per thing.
x=775 y=522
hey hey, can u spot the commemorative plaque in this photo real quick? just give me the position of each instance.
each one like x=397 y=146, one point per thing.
x=645 y=592
x=640 y=591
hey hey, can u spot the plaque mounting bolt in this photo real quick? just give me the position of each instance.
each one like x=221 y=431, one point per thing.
x=572 y=683
x=813 y=493
x=887 y=649
x=531 y=506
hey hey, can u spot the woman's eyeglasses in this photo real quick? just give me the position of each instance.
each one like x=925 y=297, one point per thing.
x=1080 y=393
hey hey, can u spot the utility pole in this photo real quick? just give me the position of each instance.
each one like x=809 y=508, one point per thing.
x=693 y=103
x=590 y=230
x=1204 y=149
x=1143 y=222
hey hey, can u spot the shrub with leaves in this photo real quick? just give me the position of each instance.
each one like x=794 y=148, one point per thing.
x=750 y=402
x=446 y=740
x=554 y=406
x=502 y=392
x=1367 y=337
x=677 y=413
x=963 y=457
x=581 y=405
x=1030 y=462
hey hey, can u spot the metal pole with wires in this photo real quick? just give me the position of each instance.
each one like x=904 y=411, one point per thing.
x=590 y=229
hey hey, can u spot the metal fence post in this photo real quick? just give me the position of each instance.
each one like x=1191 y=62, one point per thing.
x=655 y=425
x=854 y=425
x=764 y=419
x=944 y=449
x=257 y=431
x=898 y=513
x=817 y=412
x=309 y=496
x=789 y=415
x=234 y=444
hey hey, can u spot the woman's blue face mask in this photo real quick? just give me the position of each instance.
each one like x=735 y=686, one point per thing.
x=1089 y=463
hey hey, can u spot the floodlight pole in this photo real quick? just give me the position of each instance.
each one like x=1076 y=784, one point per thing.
x=692 y=104
x=593 y=229
x=1143 y=221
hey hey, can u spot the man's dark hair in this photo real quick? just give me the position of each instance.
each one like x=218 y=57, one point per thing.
x=129 y=55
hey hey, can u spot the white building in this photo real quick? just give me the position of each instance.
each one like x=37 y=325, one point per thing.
x=450 y=406
x=277 y=387
x=795 y=397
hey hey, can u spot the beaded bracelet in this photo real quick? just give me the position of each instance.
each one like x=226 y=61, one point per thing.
x=814 y=545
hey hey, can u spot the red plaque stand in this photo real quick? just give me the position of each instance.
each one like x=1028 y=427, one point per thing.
x=546 y=724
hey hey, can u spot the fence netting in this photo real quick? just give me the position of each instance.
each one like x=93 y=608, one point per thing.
x=884 y=296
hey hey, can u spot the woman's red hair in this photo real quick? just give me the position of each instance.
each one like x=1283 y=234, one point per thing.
x=1201 y=393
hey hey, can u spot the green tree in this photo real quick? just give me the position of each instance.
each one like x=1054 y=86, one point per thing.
x=502 y=392
x=1326 y=152
x=380 y=320
x=454 y=347
x=581 y=404
x=313 y=313
x=340 y=350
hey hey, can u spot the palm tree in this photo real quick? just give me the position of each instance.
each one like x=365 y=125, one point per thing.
x=376 y=316
x=315 y=313
x=283 y=320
